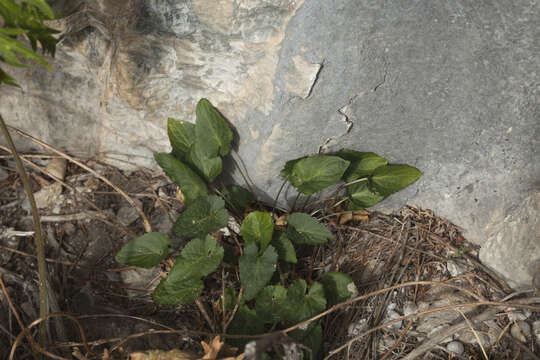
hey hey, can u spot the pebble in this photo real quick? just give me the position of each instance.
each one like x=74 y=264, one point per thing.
x=455 y=347
x=520 y=331
x=391 y=315
x=454 y=268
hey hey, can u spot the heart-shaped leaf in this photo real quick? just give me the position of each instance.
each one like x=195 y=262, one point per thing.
x=209 y=167
x=190 y=183
x=270 y=303
x=287 y=169
x=145 y=251
x=184 y=291
x=362 y=163
x=256 y=271
x=201 y=256
x=183 y=285
x=389 y=179
x=301 y=306
x=338 y=287
x=181 y=135
x=362 y=196
x=284 y=247
x=313 y=174
x=212 y=131
x=305 y=229
x=205 y=215
x=258 y=228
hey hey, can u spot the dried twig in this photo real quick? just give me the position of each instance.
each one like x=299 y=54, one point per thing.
x=475 y=333
x=42 y=267
x=146 y=223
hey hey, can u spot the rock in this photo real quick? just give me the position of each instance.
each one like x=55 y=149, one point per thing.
x=127 y=214
x=47 y=197
x=139 y=278
x=391 y=315
x=513 y=245
x=449 y=87
x=455 y=268
x=520 y=330
x=455 y=347
x=57 y=167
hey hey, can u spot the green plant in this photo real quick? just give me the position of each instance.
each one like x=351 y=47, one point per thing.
x=273 y=292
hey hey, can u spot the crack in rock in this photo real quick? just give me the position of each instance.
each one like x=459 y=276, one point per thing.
x=346 y=118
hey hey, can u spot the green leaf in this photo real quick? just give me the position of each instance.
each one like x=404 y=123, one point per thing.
x=145 y=251
x=171 y=292
x=305 y=229
x=190 y=183
x=238 y=197
x=258 y=228
x=287 y=169
x=301 y=306
x=9 y=47
x=201 y=257
x=256 y=271
x=313 y=174
x=205 y=215
x=245 y=322
x=362 y=163
x=270 y=303
x=312 y=338
x=6 y=79
x=389 y=179
x=182 y=136
x=209 y=167
x=284 y=247
x=362 y=196
x=212 y=131
x=42 y=6
x=338 y=287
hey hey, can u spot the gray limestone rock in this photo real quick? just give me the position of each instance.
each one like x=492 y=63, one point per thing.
x=450 y=87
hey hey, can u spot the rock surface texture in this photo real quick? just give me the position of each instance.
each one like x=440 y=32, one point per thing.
x=451 y=87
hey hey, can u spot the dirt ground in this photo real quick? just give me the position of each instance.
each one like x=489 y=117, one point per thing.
x=423 y=259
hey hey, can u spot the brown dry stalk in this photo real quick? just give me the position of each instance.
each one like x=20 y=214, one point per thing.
x=43 y=351
x=25 y=331
x=475 y=333
x=146 y=223
x=42 y=267
x=76 y=191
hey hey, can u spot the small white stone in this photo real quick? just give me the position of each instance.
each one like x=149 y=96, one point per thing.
x=391 y=315
x=520 y=331
x=454 y=268
x=351 y=287
x=455 y=347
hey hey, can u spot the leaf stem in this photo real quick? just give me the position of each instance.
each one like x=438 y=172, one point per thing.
x=42 y=269
x=294 y=203
x=279 y=193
